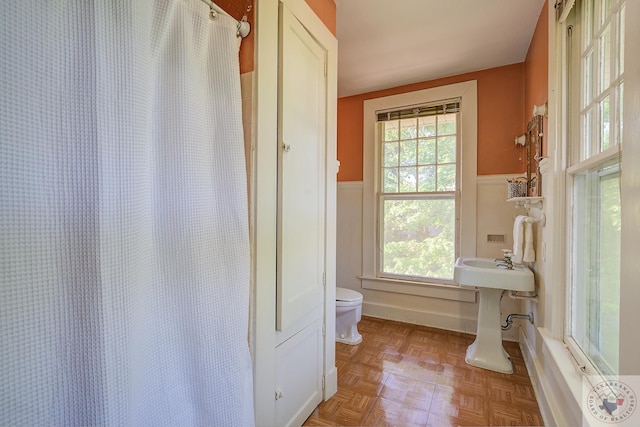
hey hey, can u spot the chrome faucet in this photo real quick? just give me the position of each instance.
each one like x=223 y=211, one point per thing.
x=506 y=262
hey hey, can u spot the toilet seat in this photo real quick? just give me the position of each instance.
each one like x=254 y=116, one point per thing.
x=345 y=295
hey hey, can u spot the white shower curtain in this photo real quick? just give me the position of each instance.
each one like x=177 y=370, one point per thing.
x=124 y=252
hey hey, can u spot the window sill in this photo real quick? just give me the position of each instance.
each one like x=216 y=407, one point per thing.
x=567 y=395
x=430 y=290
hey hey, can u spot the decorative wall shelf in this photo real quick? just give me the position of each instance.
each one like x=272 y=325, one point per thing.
x=527 y=202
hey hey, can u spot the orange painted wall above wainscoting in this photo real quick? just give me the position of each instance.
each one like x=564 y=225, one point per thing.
x=238 y=9
x=536 y=70
x=500 y=120
x=326 y=11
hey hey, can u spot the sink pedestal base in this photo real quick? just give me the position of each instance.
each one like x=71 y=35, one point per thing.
x=487 y=351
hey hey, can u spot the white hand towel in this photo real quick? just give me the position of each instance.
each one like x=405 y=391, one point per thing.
x=518 y=239
x=529 y=252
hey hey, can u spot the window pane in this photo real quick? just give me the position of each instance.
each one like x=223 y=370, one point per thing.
x=605 y=6
x=390 y=180
x=605 y=59
x=587 y=80
x=391 y=130
x=621 y=112
x=609 y=272
x=446 y=177
x=418 y=237
x=621 y=44
x=408 y=129
x=588 y=22
x=427 y=178
x=408 y=153
x=605 y=125
x=447 y=124
x=585 y=147
x=390 y=154
x=427 y=151
x=408 y=181
x=447 y=149
x=427 y=126
x=596 y=266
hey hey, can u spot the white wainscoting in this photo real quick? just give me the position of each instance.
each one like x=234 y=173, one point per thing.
x=555 y=379
x=495 y=216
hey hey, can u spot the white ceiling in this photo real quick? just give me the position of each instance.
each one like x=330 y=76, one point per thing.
x=383 y=44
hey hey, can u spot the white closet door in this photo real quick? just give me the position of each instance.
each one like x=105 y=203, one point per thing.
x=301 y=172
x=299 y=376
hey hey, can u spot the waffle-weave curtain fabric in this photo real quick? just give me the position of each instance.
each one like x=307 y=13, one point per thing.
x=124 y=249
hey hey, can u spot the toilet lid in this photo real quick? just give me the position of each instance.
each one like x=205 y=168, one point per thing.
x=344 y=294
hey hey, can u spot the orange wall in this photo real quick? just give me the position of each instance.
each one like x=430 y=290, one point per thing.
x=325 y=9
x=536 y=68
x=238 y=9
x=500 y=120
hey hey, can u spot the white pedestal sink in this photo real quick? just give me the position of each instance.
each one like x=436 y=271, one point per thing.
x=487 y=351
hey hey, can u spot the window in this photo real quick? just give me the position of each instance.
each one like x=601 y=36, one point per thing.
x=595 y=72
x=419 y=202
x=417 y=191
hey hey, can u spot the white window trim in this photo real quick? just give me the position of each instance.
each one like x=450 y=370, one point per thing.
x=570 y=169
x=468 y=160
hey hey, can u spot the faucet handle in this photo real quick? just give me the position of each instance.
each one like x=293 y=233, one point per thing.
x=507 y=261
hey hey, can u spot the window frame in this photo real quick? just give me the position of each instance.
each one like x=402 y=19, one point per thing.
x=417 y=195
x=577 y=162
x=466 y=191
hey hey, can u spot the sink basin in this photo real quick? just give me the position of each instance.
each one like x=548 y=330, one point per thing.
x=487 y=351
x=484 y=273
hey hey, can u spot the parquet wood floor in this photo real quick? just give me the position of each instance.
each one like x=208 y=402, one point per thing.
x=411 y=375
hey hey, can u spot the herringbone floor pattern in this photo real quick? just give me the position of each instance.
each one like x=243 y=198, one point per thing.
x=410 y=375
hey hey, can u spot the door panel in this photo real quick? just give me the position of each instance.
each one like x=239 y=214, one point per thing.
x=301 y=172
x=299 y=376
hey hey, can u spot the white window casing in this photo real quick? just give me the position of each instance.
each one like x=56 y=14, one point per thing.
x=467 y=165
x=593 y=94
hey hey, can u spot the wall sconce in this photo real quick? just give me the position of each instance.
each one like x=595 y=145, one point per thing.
x=540 y=110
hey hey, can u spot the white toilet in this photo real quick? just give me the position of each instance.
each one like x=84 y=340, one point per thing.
x=348 y=314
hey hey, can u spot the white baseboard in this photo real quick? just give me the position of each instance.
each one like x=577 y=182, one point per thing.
x=434 y=320
x=330 y=384
x=533 y=367
x=448 y=322
x=555 y=381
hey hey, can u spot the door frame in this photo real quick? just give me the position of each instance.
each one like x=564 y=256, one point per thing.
x=263 y=189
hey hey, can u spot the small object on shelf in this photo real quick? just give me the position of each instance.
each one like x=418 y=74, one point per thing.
x=516 y=187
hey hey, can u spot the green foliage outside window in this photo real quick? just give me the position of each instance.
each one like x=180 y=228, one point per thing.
x=419 y=237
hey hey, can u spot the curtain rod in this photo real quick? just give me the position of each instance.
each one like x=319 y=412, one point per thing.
x=243 y=26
